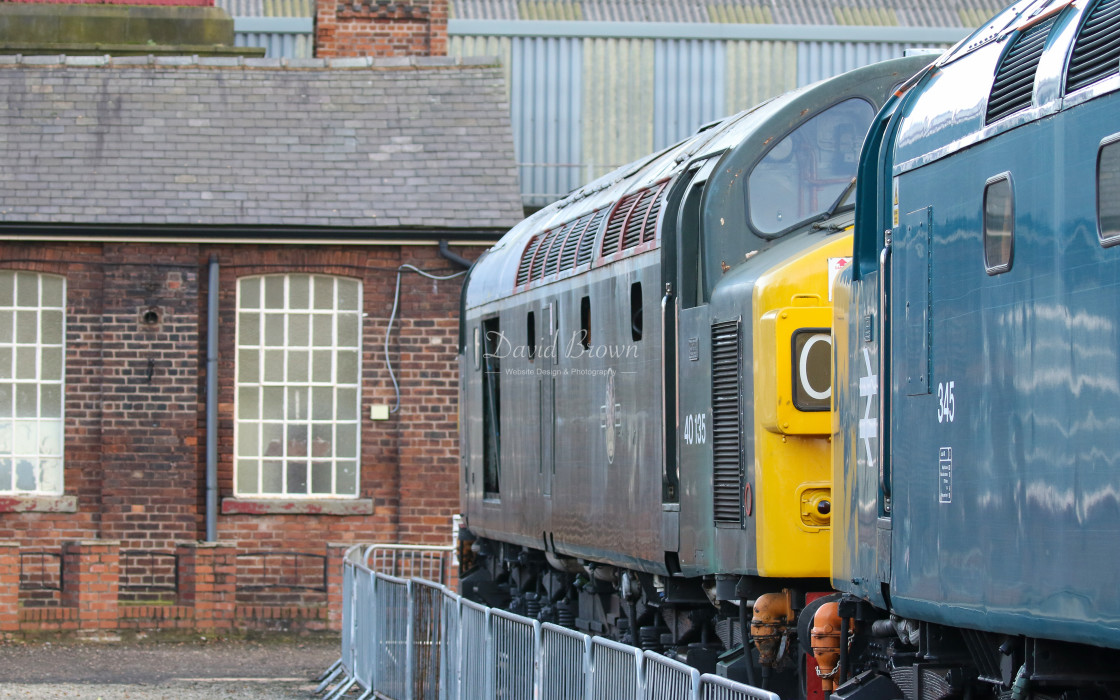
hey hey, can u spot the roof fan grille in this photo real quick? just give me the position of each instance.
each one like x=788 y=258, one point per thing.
x=1013 y=88
x=1096 y=52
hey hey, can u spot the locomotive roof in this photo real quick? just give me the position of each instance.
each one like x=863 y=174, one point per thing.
x=971 y=94
x=497 y=273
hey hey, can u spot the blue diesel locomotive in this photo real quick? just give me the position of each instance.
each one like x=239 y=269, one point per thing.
x=977 y=365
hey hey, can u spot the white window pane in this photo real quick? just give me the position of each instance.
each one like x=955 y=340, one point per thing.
x=248 y=366
x=274 y=366
x=249 y=329
x=6 y=403
x=27 y=289
x=322 y=435
x=346 y=444
x=248 y=403
x=7 y=326
x=297 y=477
x=274 y=330
x=50 y=400
x=348 y=327
x=324 y=293
x=248 y=441
x=299 y=330
x=26 y=432
x=321 y=327
x=247 y=472
x=321 y=473
x=297 y=440
x=250 y=293
x=50 y=438
x=299 y=292
x=26 y=361
x=7 y=434
x=50 y=367
x=52 y=327
x=273 y=292
x=272 y=477
x=50 y=475
x=7 y=290
x=297 y=403
x=27 y=326
x=5 y=474
x=322 y=366
x=5 y=363
x=347 y=404
x=347 y=482
x=272 y=438
x=347 y=367
x=299 y=366
x=27 y=404
x=54 y=292
x=272 y=402
x=348 y=291
x=25 y=474
x=322 y=403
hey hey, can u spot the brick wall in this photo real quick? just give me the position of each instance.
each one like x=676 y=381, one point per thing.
x=135 y=425
x=380 y=28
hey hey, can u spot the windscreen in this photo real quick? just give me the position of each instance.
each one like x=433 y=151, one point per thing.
x=805 y=172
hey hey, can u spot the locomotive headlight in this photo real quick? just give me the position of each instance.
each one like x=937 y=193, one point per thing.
x=812 y=369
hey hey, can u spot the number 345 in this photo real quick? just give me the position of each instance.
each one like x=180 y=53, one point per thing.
x=946 y=403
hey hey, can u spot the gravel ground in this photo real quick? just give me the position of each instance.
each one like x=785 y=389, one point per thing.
x=274 y=668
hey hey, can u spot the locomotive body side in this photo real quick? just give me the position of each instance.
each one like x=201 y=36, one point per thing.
x=983 y=518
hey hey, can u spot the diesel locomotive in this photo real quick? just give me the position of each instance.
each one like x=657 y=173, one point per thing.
x=652 y=447
x=645 y=388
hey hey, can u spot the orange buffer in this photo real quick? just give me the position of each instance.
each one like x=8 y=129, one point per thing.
x=825 y=640
x=772 y=626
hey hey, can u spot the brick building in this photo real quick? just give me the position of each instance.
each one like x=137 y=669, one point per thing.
x=200 y=396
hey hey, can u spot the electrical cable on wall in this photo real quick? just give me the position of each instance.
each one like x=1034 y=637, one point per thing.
x=393 y=316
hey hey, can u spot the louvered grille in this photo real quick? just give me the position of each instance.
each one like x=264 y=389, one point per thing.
x=527 y=259
x=571 y=242
x=538 y=262
x=617 y=222
x=587 y=242
x=553 y=258
x=1096 y=53
x=727 y=463
x=632 y=234
x=649 y=231
x=1014 y=83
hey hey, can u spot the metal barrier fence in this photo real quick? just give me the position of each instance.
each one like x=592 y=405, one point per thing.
x=414 y=639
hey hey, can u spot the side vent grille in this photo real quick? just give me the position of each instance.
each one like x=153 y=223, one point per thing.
x=587 y=240
x=634 y=219
x=527 y=259
x=727 y=462
x=1096 y=52
x=1014 y=83
x=559 y=249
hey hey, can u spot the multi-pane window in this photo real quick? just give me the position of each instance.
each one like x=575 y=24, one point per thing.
x=298 y=375
x=32 y=352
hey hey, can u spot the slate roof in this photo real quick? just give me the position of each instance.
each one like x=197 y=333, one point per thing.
x=346 y=143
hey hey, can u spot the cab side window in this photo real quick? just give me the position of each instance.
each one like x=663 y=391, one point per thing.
x=999 y=224
x=1108 y=192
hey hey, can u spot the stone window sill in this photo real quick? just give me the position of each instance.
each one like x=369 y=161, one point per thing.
x=296 y=506
x=15 y=503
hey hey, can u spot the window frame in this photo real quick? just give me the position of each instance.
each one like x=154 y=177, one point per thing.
x=1114 y=239
x=339 y=418
x=1004 y=265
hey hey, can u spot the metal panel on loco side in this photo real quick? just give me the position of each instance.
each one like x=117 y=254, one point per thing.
x=1007 y=467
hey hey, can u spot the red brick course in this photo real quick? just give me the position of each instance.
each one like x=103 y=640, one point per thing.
x=380 y=28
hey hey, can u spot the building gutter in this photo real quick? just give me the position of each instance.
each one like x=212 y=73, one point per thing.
x=212 y=402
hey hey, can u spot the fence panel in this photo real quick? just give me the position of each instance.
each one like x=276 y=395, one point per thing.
x=717 y=688
x=430 y=563
x=391 y=623
x=514 y=641
x=565 y=663
x=452 y=648
x=476 y=671
x=668 y=679
x=616 y=670
x=427 y=639
x=365 y=631
x=349 y=619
